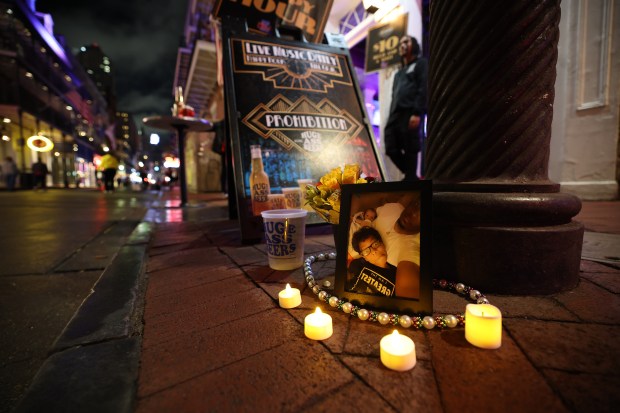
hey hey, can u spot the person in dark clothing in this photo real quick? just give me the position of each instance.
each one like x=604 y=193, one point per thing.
x=144 y=177
x=402 y=130
x=39 y=171
x=9 y=171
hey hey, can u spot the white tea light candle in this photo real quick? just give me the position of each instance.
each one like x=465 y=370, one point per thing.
x=483 y=325
x=397 y=352
x=289 y=297
x=318 y=325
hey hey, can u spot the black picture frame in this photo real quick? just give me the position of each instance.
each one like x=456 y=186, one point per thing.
x=363 y=283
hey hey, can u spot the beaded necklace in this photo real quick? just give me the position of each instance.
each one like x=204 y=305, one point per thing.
x=404 y=320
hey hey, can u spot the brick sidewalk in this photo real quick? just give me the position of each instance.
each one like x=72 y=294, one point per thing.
x=216 y=340
x=600 y=216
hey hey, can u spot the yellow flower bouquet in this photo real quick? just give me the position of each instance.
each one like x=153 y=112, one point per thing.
x=324 y=197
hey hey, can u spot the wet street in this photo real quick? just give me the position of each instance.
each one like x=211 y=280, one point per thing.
x=54 y=246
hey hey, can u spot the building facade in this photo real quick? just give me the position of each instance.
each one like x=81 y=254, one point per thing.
x=585 y=152
x=99 y=68
x=50 y=108
x=197 y=74
x=121 y=135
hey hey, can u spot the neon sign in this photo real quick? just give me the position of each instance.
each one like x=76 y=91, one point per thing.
x=40 y=143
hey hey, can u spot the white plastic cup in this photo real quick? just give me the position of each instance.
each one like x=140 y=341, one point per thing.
x=277 y=201
x=285 y=230
x=293 y=197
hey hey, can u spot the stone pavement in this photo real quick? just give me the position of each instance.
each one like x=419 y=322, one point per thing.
x=213 y=337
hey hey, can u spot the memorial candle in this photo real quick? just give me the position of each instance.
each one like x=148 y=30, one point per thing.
x=289 y=297
x=483 y=325
x=318 y=325
x=397 y=352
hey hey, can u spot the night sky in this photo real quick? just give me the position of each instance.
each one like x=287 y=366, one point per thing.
x=141 y=38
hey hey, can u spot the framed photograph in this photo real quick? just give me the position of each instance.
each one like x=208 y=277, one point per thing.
x=384 y=247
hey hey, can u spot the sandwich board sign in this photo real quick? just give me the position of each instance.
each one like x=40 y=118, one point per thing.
x=297 y=107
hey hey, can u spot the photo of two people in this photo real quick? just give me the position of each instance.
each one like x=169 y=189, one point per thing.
x=385 y=246
x=385 y=226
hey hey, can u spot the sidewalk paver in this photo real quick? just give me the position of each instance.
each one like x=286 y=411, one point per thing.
x=215 y=338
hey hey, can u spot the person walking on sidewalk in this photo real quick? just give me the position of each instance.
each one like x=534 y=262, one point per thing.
x=402 y=130
x=9 y=172
x=109 y=165
x=39 y=170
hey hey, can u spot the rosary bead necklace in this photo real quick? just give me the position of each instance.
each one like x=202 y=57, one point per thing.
x=416 y=322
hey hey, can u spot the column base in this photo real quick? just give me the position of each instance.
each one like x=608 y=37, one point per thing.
x=507 y=243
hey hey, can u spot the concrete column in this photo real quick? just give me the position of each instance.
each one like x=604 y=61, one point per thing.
x=500 y=225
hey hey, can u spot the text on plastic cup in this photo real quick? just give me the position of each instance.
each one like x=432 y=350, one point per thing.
x=293 y=197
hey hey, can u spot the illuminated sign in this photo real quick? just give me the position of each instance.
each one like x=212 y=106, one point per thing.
x=40 y=143
x=291 y=67
x=171 y=162
x=382 y=44
x=310 y=16
x=304 y=125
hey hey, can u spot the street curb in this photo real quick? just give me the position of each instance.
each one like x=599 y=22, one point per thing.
x=94 y=363
x=105 y=314
x=95 y=378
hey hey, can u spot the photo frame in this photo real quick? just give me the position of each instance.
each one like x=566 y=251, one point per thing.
x=378 y=246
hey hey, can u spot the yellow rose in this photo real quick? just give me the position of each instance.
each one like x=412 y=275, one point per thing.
x=351 y=174
x=324 y=197
x=330 y=183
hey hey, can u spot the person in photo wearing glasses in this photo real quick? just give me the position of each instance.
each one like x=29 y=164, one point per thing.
x=371 y=273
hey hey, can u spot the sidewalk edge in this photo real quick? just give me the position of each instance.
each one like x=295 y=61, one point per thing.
x=94 y=363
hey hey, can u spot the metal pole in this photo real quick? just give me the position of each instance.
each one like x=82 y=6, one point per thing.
x=64 y=160
x=22 y=142
x=181 y=129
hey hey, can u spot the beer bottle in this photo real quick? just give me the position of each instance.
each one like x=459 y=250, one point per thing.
x=259 y=182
